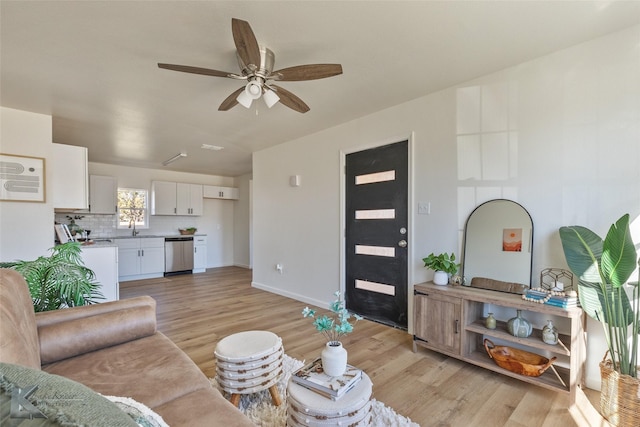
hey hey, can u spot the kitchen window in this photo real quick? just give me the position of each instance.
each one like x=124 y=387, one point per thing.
x=133 y=208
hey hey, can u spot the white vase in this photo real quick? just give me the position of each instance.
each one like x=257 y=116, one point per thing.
x=440 y=278
x=334 y=359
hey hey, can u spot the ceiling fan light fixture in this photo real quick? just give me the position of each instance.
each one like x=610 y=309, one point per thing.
x=270 y=98
x=244 y=99
x=253 y=89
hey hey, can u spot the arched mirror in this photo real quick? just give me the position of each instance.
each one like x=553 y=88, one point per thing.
x=498 y=242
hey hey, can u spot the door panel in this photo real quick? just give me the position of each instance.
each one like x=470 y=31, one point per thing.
x=376 y=233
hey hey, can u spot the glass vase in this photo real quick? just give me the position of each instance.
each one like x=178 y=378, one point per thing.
x=519 y=326
x=550 y=333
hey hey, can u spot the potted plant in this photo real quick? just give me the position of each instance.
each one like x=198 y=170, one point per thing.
x=603 y=268
x=444 y=266
x=60 y=280
x=334 y=356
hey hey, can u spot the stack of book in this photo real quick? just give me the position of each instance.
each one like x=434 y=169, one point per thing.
x=312 y=377
x=561 y=301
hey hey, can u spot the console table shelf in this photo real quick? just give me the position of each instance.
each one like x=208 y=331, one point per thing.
x=450 y=320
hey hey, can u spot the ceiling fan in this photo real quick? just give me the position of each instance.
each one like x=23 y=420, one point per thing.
x=256 y=68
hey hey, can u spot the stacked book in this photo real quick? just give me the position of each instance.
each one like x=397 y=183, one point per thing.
x=562 y=301
x=312 y=376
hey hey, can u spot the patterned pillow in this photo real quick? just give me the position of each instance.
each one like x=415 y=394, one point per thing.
x=55 y=401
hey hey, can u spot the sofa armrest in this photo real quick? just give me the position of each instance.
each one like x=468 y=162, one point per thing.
x=73 y=331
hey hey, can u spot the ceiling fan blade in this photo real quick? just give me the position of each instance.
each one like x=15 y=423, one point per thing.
x=231 y=101
x=246 y=43
x=307 y=72
x=195 y=70
x=290 y=100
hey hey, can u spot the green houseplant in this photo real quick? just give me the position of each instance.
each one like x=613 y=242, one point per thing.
x=443 y=263
x=59 y=280
x=603 y=268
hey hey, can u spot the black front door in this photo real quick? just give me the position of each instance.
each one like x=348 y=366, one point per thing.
x=377 y=233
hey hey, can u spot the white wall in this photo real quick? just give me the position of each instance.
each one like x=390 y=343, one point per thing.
x=26 y=229
x=564 y=136
x=242 y=223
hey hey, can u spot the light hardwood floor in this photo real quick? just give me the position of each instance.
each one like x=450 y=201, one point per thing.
x=196 y=311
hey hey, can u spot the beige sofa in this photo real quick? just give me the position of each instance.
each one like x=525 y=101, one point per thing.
x=114 y=349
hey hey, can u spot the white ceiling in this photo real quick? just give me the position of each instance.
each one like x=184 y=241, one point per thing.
x=92 y=65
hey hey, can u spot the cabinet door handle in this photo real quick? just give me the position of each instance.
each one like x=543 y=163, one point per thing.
x=138 y=252
x=143 y=255
x=195 y=250
x=457 y=326
x=175 y=210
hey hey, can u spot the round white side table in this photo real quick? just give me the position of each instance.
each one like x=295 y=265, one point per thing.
x=248 y=362
x=306 y=408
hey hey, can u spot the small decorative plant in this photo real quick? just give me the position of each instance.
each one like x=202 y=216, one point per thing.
x=443 y=262
x=336 y=326
x=60 y=280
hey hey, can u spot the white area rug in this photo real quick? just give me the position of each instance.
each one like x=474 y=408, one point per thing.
x=261 y=411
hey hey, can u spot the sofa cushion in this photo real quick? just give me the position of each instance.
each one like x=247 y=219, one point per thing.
x=151 y=370
x=18 y=332
x=198 y=408
x=77 y=336
x=60 y=400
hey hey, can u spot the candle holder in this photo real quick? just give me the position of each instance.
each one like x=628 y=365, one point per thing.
x=556 y=279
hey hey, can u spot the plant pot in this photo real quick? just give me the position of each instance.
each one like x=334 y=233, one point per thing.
x=334 y=359
x=619 y=396
x=440 y=278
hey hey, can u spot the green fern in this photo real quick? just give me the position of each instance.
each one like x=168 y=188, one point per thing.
x=60 y=280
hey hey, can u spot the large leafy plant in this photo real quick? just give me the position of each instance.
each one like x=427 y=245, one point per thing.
x=603 y=267
x=60 y=280
x=336 y=326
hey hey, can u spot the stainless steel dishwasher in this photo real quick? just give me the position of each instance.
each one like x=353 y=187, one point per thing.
x=178 y=255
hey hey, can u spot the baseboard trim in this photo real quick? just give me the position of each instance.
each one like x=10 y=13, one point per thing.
x=292 y=295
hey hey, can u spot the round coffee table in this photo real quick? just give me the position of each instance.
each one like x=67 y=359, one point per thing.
x=307 y=408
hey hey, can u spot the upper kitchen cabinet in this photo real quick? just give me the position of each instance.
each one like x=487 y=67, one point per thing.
x=189 y=199
x=215 y=192
x=103 y=196
x=171 y=198
x=69 y=176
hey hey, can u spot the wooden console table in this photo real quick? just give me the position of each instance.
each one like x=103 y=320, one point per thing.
x=449 y=320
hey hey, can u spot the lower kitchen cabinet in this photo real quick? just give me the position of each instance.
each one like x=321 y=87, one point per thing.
x=199 y=254
x=140 y=258
x=103 y=260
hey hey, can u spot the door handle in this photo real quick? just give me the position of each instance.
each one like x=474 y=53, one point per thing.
x=402 y=243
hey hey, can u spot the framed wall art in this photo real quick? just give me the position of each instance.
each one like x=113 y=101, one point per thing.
x=22 y=178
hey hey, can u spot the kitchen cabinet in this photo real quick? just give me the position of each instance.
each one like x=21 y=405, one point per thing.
x=172 y=198
x=103 y=194
x=199 y=254
x=189 y=199
x=103 y=260
x=69 y=177
x=216 y=192
x=140 y=258
x=460 y=333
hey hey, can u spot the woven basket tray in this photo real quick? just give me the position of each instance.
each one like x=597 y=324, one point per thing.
x=619 y=395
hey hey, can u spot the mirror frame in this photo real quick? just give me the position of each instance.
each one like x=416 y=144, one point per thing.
x=465 y=241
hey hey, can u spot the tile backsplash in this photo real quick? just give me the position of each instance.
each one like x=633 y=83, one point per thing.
x=100 y=225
